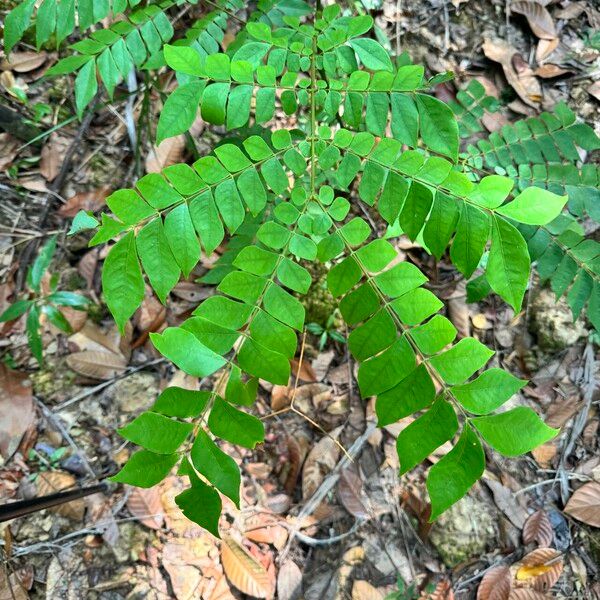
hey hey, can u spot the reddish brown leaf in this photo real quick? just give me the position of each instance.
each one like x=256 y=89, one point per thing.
x=538 y=17
x=303 y=371
x=50 y=482
x=146 y=505
x=495 y=584
x=584 y=504
x=17 y=412
x=91 y=200
x=540 y=569
x=350 y=493
x=538 y=529
x=443 y=591
x=243 y=571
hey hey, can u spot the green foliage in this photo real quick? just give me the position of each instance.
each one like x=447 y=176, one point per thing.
x=36 y=303
x=285 y=198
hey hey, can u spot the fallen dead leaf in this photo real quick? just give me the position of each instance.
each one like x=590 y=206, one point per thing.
x=544 y=455
x=10 y=146
x=537 y=16
x=52 y=156
x=538 y=529
x=11 y=587
x=320 y=460
x=549 y=70
x=363 y=590
x=266 y=529
x=50 y=482
x=584 y=504
x=146 y=505
x=571 y=11
x=540 y=569
x=442 y=591
x=244 y=572
x=91 y=200
x=97 y=365
x=517 y=72
x=495 y=584
x=526 y=594
x=167 y=153
x=303 y=371
x=545 y=48
x=349 y=489
x=17 y=414
x=594 y=90
x=289 y=581
x=23 y=62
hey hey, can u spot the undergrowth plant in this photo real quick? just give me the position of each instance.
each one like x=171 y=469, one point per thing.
x=368 y=130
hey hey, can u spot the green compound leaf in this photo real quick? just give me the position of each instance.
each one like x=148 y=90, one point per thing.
x=488 y=392
x=455 y=473
x=534 y=206
x=514 y=432
x=156 y=432
x=122 y=281
x=145 y=469
x=218 y=468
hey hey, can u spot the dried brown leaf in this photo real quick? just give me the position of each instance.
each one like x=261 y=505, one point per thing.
x=222 y=590
x=10 y=147
x=571 y=11
x=350 y=493
x=91 y=200
x=146 y=505
x=97 y=365
x=495 y=584
x=52 y=156
x=303 y=371
x=538 y=17
x=540 y=569
x=167 y=153
x=23 y=62
x=11 y=588
x=545 y=48
x=289 y=581
x=297 y=446
x=18 y=412
x=442 y=591
x=320 y=461
x=526 y=594
x=265 y=529
x=538 y=529
x=243 y=571
x=50 y=482
x=549 y=70
x=363 y=590
x=544 y=455
x=584 y=504
x=505 y=500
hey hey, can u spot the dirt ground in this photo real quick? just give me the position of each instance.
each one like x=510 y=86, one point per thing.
x=325 y=516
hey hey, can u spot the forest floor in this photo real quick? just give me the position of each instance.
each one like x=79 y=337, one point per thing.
x=316 y=520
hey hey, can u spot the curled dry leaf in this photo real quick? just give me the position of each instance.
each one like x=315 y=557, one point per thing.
x=266 y=529
x=146 y=505
x=289 y=581
x=518 y=74
x=18 y=411
x=538 y=17
x=495 y=584
x=350 y=487
x=50 y=482
x=584 y=504
x=91 y=200
x=97 y=365
x=243 y=571
x=538 y=529
x=545 y=48
x=540 y=569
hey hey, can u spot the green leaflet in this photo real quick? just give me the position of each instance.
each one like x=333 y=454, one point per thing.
x=514 y=432
x=438 y=126
x=235 y=426
x=507 y=269
x=461 y=361
x=454 y=474
x=122 y=281
x=372 y=54
x=156 y=432
x=179 y=402
x=534 y=206
x=145 y=469
x=179 y=111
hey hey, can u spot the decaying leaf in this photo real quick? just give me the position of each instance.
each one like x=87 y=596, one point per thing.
x=146 y=505
x=518 y=74
x=91 y=200
x=23 y=62
x=537 y=16
x=495 y=584
x=97 y=365
x=363 y=590
x=167 y=153
x=320 y=460
x=442 y=591
x=350 y=493
x=303 y=371
x=538 y=529
x=545 y=48
x=10 y=586
x=549 y=70
x=289 y=581
x=266 y=529
x=10 y=146
x=527 y=594
x=544 y=455
x=50 y=482
x=17 y=411
x=243 y=571
x=584 y=504
x=540 y=569
x=52 y=156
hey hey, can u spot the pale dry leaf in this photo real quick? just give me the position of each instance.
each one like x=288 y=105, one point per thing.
x=23 y=62
x=91 y=200
x=222 y=591
x=363 y=590
x=33 y=184
x=52 y=156
x=97 y=365
x=495 y=584
x=265 y=529
x=505 y=500
x=303 y=371
x=18 y=410
x=544 y=455
x=594 y=90
x=584 y=504
x=540 y=569
x=562 y=409
x=545 y=48
x=320 y=461
x=10 y=146
x=549 y=70
x=50 y=482
x=167 y=153
x=289 y=581
x=519 y=75
x=538 y=17
x=527 y=594
x=538 y=529
x=320 y=365
x=571 y=11
x=11 y=588
x=280 y=397
x=146 y=505
x=243 y=571
x=349 y=489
